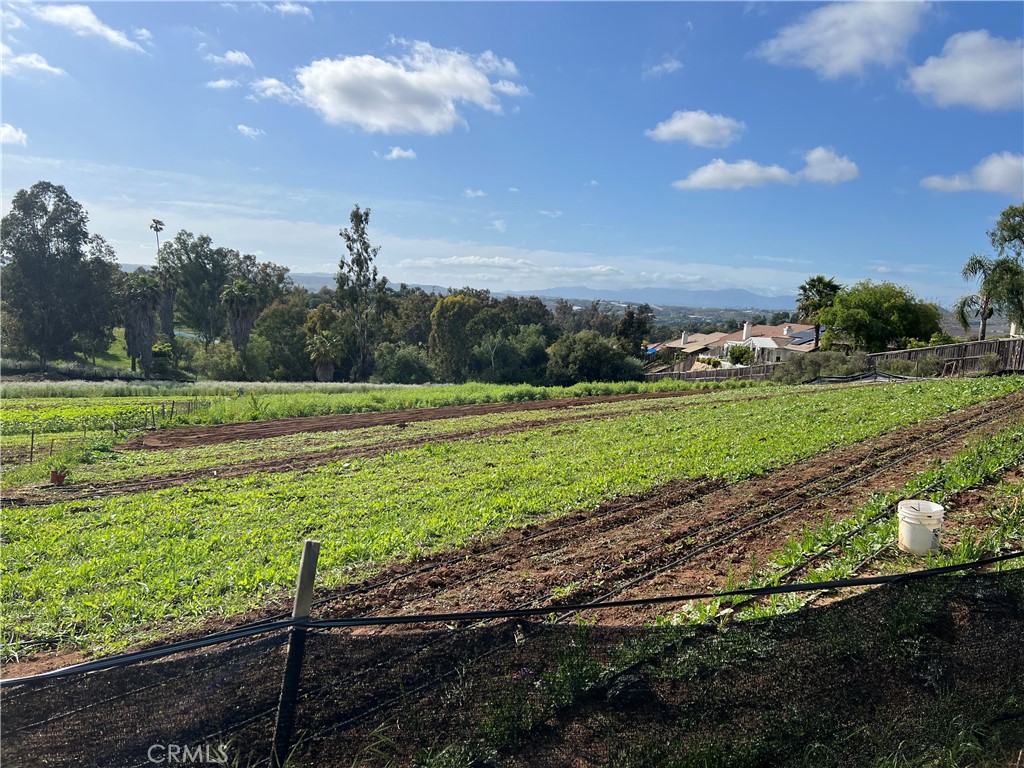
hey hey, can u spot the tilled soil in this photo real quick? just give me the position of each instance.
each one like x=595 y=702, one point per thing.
x=190 y=437
x=52 y=494
x=682 y=538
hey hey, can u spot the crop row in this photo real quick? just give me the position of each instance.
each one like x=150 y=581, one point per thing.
x=108 y=573
x=95 y=461
x=55 y=415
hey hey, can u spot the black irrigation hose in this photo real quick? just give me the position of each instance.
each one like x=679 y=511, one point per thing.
x=691 y=554
x=223 y=637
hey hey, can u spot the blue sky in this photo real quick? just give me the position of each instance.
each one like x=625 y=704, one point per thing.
x=519 y=146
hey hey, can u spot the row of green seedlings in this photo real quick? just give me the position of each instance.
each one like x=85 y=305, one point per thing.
x=576 y=673
x=845 y=547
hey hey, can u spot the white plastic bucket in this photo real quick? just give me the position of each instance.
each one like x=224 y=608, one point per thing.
x=920 y=526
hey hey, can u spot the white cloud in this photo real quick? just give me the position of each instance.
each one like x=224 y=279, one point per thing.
x=397 y=153
x=845 y=38
x=698 y=128
x=974 y=70
x=513 y=189
x=719 y=174
x=421 y=91
x=472 y=193
x=1002 y=172
x=270 y=88
x=550 y=214
x=293 y=9
x=250 y=133
x=592 y=183
x=499 y=225
x=10 y=20
x=666 y=67
x=230 y=59
x=223 y=84
x=822 y=166
x=11 y=135
x=25 y=62
x=82 y=21
x=143 y=34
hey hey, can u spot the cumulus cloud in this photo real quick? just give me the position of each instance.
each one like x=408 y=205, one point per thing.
x=822 y=166
x=719 y=174
x=592 y=183
x=472 y=193
x=421 y=91
x=293 y=9
x=230 y=59
x=250 y=133
x=25 y=62
x=82 y=21
x=143 y=34
x=1002 y=172
x=397 y=153
x=974 y=70
x=550 y=214
x=223 y=84
x=846 y=38
x=666 y=67
x=11 y=135
x=698 y=128
x=499 y=225
x=513 y=189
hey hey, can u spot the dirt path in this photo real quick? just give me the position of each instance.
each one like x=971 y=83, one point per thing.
x=190 y=437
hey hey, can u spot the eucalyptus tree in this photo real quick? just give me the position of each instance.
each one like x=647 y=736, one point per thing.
x=361 y=293
x=48 y=284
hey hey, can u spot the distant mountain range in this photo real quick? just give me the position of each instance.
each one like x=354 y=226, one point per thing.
x=722 y=299
x=670 y=297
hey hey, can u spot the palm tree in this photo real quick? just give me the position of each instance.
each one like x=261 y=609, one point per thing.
x=325 y=349
x=1001 y=290
x=141 y=299
x=242 y=301
x=815 y=294
x=158 y=227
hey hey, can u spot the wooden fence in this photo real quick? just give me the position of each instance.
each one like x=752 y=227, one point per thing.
x=953 y=360
x=970 y=357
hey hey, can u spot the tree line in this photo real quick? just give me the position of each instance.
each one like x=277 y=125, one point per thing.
x=226 y=315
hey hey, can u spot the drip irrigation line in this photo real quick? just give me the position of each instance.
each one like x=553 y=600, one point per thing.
x=514 y=613
x=152 y=653
x=691 y=554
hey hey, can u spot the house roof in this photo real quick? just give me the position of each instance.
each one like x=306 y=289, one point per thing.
x=766 y=331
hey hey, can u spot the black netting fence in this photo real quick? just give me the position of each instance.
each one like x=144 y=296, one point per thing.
x=923 y=672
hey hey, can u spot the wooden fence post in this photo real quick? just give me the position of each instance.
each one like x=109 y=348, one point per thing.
x=32 y=447
x=284 y=725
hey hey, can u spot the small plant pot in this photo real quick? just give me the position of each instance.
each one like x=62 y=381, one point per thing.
x=57 y=477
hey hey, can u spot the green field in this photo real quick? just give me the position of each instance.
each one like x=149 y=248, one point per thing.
x=106 y=573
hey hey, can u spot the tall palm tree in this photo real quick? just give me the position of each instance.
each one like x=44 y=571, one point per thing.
x=1001 y=290
x=815 y=294
x=325 y=350
x=158 y=227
